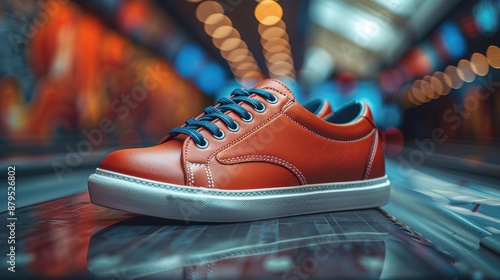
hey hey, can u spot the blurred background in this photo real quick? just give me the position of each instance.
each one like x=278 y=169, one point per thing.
x=81 y=78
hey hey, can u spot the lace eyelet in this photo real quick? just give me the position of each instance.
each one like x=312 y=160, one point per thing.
x=261 y=110
x=220 y=137
x=204 y=146
x=249 y=119
x=274 y=100
x=235 y=129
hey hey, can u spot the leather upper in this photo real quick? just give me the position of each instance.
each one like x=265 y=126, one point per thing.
x=286 y=145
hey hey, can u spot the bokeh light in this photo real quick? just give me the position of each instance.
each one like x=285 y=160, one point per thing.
x=226 y=38
x=426 y=89
x=208 y=8
x=479 y=64
x=211 y=78
x=214 y=22
x=493 y=55
x=454 y=80
x=189 y=60
x=268 y=12
x=465 y=73
x=392 y=141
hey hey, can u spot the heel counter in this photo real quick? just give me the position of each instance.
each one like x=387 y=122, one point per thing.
x=375 y=167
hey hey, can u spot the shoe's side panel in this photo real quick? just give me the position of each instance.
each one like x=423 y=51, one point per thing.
x=310 y=157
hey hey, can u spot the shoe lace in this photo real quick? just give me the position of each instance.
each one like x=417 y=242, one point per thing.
x=212 y=113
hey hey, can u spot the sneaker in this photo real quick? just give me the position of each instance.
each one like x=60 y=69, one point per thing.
x=256 y=155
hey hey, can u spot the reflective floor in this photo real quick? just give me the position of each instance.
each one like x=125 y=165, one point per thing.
x=446 y=231
x=70 y=236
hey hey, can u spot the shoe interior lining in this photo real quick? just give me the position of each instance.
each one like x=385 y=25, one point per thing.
x=314 y=106
x=347 y=114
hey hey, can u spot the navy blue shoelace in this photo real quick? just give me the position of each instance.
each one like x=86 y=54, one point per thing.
x=225 y=104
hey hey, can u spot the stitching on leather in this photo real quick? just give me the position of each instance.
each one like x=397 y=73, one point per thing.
x=186 y=162
x=276 y=91
x=273 y=159
x=372 y=157
x=282 y=84
x=368 y=159
x=209 y=176
x=190 y=173
x=242 y=136
x=253 y=193
x=334 y=140
x=288 y=104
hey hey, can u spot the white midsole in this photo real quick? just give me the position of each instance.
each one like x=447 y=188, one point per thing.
x=160 y=199
x=370 y=183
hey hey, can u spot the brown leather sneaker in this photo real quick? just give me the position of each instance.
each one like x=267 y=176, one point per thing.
x=256 y=155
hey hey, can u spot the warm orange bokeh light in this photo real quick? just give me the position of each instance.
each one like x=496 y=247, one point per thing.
x=268 y=12
x=238 y=55
x=279 y=24
x=230 y=44
x=436 y=85
x=425 y=87
x=493 y=55
x=207 y=8
x=223 y=32
x=454 y=80
x=274 y=58
x=465 y=73
x=234 y=34
x=479 y=64
x=412 y=99
x=215 y=21
x=417 y=94
x=441 y=83
x=226 y=38
x=274 y=33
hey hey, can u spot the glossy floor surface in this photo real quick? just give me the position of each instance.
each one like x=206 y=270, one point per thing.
x=438 y=224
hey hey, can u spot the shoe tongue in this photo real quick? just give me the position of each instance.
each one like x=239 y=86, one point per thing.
x=276 y=85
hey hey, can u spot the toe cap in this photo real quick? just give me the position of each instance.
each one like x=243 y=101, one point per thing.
x=159 y=163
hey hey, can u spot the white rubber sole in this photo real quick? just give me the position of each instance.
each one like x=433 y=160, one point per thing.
x=138 y=195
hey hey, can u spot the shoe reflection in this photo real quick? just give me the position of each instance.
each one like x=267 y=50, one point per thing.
x=325 y=246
